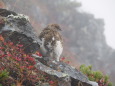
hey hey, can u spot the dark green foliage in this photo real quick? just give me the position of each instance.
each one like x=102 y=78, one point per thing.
x=99 y=77
x=110 y=84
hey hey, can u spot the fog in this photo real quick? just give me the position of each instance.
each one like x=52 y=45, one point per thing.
x=87 y=28
x=103 y=9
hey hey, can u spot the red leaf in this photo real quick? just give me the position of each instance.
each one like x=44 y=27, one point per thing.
x=39 y=54
x=20 y=45
x=63 y=58
x=30 y=67
x=51 y=82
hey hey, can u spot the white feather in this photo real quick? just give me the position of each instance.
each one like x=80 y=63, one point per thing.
x=58 y=50
x=53 y=38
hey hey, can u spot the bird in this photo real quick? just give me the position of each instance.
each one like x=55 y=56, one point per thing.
x=51 y=42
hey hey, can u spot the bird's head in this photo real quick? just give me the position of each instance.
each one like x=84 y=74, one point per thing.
x=54 y=26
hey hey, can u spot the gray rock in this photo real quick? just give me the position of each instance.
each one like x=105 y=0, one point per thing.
x=16 y=28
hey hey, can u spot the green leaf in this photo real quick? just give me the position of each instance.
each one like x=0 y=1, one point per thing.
x=110 y=84
x=106 y=78
x=98 y=75
x=94 y=75
x=3 y=75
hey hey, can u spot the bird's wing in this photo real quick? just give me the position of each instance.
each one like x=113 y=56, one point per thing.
x=50 y=36
x=47 y=34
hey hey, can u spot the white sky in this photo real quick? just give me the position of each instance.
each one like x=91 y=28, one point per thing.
x=103 y=9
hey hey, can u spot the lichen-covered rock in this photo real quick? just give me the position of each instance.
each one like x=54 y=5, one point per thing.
x=16 y=28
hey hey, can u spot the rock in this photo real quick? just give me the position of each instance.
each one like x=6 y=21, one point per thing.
x=87 y=41
x=93 y=83
x=17 y=29
x=67 y=76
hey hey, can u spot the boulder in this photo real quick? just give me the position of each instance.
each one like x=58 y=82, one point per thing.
x=17 y=29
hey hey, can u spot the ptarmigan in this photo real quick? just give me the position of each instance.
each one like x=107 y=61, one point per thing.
x=51 y=42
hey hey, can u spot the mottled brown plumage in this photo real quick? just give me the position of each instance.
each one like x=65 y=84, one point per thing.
x=49 y=32
x=51 y=36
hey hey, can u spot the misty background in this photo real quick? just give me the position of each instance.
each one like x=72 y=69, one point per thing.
x=83 y=33
x=103 y=9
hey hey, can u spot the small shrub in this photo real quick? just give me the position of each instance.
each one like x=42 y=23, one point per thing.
x=99 y=77
x=18 y=68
